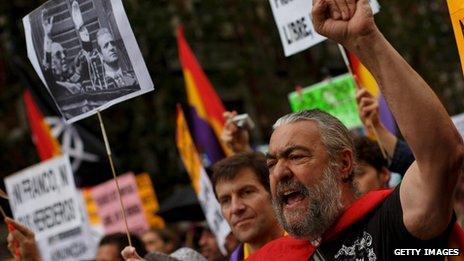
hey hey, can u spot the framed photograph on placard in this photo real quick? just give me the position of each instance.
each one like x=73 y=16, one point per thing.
x=86 y=55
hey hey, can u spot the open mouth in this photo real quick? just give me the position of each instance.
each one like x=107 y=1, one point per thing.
x=290 y=198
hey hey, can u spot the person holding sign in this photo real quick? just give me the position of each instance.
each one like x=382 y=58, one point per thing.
x=236 y=137
x=398 y=152
x=311 y=162
x=21 y=242
x=373 y=169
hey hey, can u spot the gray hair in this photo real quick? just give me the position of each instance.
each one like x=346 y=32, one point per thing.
x=335 y=136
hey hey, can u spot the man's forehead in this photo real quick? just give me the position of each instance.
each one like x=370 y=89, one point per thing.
x=244 y=178
x=105 y=37
x=297 y=134
x=287 y=150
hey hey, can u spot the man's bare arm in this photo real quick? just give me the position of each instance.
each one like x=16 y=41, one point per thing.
x=427 y=189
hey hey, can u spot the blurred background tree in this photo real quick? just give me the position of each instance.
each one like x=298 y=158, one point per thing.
x=238 y=45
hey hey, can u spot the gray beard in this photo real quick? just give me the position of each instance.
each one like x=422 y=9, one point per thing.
x=324 y=207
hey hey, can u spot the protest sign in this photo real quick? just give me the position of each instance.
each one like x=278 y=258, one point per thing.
x=93 y=219
x=335 y=96
x=200 y=181
x=75 y=244
x=44 y=197
x=106 y=199
x=456 y=10
x=149 y=200
x=91 y=207
x=86 y=55
x=295 y=26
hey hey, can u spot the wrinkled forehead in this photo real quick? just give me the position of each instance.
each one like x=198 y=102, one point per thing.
x=300 y=133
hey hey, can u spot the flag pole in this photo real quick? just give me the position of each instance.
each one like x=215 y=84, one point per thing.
x=108 y=152
x=369 y=122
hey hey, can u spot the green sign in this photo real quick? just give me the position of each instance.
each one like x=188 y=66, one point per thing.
x=335 y=96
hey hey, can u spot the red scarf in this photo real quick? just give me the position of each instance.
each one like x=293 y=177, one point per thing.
x=288 y=248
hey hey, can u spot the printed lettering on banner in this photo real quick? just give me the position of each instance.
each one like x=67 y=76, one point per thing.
x=44 y=197
x=149 y=200
x=106 y=198
x=295 y=26
x=75 y=244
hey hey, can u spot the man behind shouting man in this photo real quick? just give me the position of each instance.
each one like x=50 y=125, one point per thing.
x=241 y=184
x=311 y=162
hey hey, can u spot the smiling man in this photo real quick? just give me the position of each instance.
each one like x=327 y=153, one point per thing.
x=311 y=162
x=241 y=184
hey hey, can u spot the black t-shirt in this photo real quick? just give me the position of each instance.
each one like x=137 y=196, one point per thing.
x=377 y=236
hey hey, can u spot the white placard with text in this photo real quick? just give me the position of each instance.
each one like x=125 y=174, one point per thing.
x=296 y=30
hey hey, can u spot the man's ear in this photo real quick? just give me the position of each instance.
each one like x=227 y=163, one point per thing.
x=384 y=177
x=346 y=164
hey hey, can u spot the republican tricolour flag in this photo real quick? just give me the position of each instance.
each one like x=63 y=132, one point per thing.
x=365 y=79
x=200 y=181
x=206 y=107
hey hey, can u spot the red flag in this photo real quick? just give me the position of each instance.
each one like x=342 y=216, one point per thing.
x=47 y=146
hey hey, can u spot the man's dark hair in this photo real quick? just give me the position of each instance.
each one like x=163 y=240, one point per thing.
x=120 y=241
x=368 y=152
x=228 y=168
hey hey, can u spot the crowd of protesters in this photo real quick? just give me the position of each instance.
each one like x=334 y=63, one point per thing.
x=319 y=193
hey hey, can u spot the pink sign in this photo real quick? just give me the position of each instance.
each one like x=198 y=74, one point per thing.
x=106 y=198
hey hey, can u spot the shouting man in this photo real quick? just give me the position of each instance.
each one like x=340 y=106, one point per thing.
x=311 y=162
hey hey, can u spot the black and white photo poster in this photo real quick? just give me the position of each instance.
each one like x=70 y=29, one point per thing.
x=86 y=55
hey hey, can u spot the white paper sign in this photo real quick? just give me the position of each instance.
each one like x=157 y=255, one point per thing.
x=86 y=55
x=44 y=198
x=212 y=211
x=295 y=26
x=74 y=244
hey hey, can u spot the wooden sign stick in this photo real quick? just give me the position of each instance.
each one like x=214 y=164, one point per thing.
x=108 y=152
